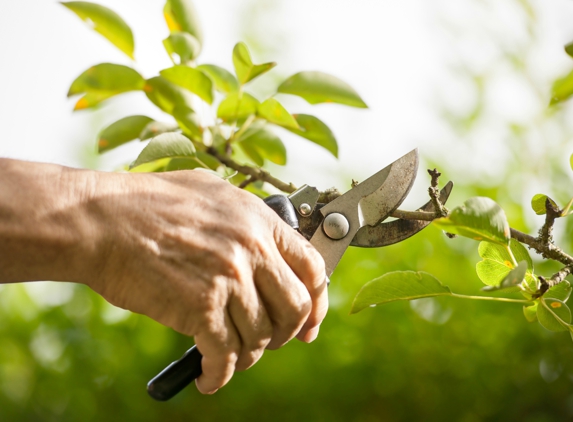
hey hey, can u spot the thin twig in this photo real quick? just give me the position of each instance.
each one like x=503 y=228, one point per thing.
x=247 y=182
x=548 y=251
x=552 y=213
x=439 y=209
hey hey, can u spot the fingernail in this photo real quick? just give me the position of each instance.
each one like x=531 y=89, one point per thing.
x=311 y=335
x=327 y=280
x=214 y=391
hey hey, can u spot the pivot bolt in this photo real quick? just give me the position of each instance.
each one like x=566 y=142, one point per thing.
x=336 y=226
x=304 y=209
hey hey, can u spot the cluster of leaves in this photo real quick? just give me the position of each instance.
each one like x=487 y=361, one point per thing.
x=237 y=126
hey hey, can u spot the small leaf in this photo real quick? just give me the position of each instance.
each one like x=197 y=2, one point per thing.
x=192 y=79
x=497 y=263
x=166 y=95
x=530 y=312
x=571 y=161
x=180 y=15
x=166 y=145
x=565 y=212
x=562 y=89
x=185 y=45
x=398 y=285
x=151 y=167
x=538 y=203
x=189 y=121
x=244 y=67
x=274 y=112
x=236 y=107
x=202 y=160
x=259 y=143
x=224 y=80
x=103 y=81
x=157 y=128
x=319 y=87
x=479 y=218
x=553 y=315
x=106 y=22
x=122 y=131
x=569 y=49
x=561 y=292
x=316 y=131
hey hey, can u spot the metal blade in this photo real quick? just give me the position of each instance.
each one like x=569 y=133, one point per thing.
x=385 y=234
x=370 y=202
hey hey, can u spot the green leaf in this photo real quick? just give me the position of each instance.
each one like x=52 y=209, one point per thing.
x=192 y=79
x=571 y=161
x=530 y=312
x=554 y=315
x=562 y=89
x=224 y=80
x=259 y=143
x=316 y=131
x=561 y=292
x=185 y=45
x=103 y=81
x=151 y=167
x=202 y=160
x=151 y=130
x=244 y=67
x=180 y=16
x=166 y=95
x=479 y=218
x=122 y=131
x=538 y=203
x=166 y=145
x=497 y=263
x=565 y=212
x=188 y=121
x=319 y=87
x=106 y=22
x=274 y=112
x=569 y=49
x=398 y=285
x=237 y=107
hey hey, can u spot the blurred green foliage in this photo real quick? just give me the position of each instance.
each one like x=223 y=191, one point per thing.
x=67 y=355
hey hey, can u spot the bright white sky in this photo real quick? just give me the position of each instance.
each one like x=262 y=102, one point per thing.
x=396 y=53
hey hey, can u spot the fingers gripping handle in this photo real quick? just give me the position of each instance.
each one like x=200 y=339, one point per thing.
x=182 y=372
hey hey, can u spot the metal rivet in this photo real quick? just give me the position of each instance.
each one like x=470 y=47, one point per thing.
x=305 y=209
x=336 y=226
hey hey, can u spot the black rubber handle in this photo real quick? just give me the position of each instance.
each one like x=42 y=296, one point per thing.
x=182 y=372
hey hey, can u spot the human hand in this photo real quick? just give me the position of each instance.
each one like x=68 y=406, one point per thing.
x=209 y=260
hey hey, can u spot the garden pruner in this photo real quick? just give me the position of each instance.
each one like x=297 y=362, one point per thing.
x=355 y=218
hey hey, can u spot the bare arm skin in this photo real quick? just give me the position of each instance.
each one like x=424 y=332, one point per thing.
x=185 y=248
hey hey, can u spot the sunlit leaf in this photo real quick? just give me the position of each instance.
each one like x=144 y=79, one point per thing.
x=189 y=121
x=151 y=167
x=553 y=314
x=274 y=112
x=106 y=22
x=103 y=81
x=316 y=131
x=398 y=285
x=244 y=67
x=185 y=45
x=166 y=95
x=571 y=161
x=192 y=79
x=153 y=129
x=479 y=218
x=538 y=203
x=122 y=131
x=530 y=312
x=224 y=80
x=181 y=16
x=497 y=263
x=166 y=145
x=259 y=143
x=561 y=292
x=565 y=210
x=202 y=160
x=237 y=107
x=562 y=89
x=319 y=87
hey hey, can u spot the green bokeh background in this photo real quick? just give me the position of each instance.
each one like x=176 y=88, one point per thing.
x=73 y=357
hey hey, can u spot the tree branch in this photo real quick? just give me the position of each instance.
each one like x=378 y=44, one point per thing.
x=552 y=213
x=440 y=209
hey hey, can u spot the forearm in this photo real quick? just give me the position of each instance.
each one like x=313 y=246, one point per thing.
x=46 y=229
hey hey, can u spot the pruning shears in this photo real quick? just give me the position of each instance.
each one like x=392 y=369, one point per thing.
x=356 y=218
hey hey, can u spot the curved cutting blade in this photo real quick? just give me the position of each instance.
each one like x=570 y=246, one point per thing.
x=368 y=203
x=395 y=231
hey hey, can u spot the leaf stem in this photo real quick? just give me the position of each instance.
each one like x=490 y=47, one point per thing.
x=490 y=298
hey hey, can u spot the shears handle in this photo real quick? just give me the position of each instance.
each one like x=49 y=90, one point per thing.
x=182 y=372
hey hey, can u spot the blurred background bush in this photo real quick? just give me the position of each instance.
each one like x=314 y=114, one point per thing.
x=466 y=81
